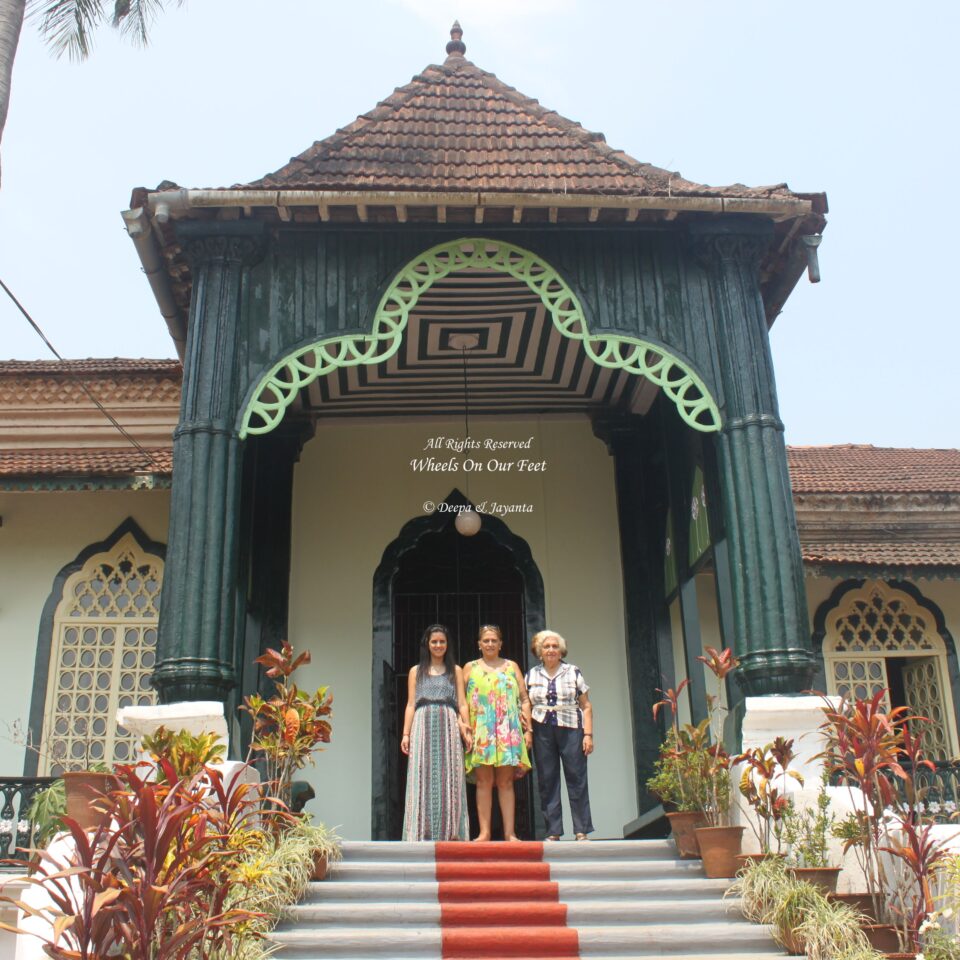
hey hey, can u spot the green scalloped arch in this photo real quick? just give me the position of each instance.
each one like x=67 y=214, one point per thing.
x=278 y=388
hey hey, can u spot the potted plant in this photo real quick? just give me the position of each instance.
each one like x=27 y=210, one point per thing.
x=678 y=774
x=719 y=841
x=806 y=832
x=763 y=783
x=290 y=726
x=879 y=752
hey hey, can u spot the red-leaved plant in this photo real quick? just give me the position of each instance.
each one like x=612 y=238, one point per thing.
x=878 y=750
x=150 y=883
x=291 y=725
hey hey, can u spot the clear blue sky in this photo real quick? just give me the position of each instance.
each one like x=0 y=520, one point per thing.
x=856 y=99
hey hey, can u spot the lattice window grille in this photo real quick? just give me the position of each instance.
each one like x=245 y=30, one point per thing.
x=861 y=679
x=923 y=684
x=102 y=656
x=874 y=624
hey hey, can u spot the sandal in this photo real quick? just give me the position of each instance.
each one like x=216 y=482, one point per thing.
x=582 y=836
x=551 y=838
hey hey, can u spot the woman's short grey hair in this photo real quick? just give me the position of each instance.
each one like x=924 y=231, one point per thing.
x=536 y=642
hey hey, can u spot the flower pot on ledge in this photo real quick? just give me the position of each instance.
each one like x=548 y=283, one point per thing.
x=719 y=848
x=683 y=824
x=825 y=878
x=85 y=792
x=320 y=865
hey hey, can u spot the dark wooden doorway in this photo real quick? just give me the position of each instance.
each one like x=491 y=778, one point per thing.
x=461 y=582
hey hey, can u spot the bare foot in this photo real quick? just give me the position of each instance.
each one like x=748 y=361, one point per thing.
x=482 y=838
x=513 y=836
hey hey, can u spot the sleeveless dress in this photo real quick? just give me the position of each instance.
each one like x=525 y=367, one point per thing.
x=493 y=699
x=436 y=800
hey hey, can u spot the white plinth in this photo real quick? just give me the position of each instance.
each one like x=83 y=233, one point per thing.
x=194 y=716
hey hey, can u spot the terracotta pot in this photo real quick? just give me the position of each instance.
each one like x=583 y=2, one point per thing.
x=823 y=877
x=683 y=825
x=719 y=847
x=861 y=902
x=792 y=944
x=320 y=865
x=882 y=937
x=85 y=791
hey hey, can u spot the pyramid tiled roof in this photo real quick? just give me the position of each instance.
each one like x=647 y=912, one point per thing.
x=456 y=127
x=863 y=468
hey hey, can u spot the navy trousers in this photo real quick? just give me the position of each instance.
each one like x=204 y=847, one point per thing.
x=553 y=746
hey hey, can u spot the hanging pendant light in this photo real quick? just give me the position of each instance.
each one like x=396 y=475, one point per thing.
x=468 y=521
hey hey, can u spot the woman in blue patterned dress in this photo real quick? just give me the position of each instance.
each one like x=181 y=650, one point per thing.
x=433 y=724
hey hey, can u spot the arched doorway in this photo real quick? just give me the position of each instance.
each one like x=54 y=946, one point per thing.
x=431 y=574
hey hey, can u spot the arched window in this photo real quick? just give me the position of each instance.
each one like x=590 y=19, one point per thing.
x=879 y=637
x=102 y=652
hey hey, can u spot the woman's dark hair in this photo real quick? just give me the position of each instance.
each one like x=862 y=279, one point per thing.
x=425 y=658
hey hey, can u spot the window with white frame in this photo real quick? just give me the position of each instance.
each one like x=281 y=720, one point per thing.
x=102 y=654
x=878 y=638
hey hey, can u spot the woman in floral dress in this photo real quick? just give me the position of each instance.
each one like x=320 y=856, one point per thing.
x=499 y=711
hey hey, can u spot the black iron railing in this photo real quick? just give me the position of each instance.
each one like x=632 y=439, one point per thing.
x=16 y=831
x=939 y=790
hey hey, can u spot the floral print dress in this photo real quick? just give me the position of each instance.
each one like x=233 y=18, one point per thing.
x=493 y=700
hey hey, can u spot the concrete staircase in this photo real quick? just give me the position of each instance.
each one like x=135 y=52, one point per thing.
x=615 y=899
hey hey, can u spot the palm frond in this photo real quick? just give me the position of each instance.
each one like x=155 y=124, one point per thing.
x=67 y=25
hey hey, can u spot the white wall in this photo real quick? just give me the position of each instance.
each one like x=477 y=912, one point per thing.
x=353 y=491
x=40 y=534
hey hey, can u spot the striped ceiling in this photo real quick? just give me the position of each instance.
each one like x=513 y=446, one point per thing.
x=522 y=363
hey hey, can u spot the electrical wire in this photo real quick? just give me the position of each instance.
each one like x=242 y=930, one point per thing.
x=78 y=379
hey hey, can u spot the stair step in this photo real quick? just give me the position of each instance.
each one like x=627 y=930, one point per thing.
x=479 y=913
x=358 y=850
x=351 y=870
x=649 y=940
x=672 y=888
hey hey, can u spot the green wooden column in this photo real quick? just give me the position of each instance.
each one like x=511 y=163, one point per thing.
x=197 y=641
x=772 y=634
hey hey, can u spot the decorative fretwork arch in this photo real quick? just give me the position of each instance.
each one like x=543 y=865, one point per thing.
x=278 y=388
x=873 y=623
x=102 y=652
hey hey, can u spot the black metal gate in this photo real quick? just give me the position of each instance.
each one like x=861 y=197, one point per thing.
x=461 y=583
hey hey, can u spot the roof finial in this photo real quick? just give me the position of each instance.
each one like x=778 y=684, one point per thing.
x=456 y=47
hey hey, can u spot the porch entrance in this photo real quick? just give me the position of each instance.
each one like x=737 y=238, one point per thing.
x=461 y=582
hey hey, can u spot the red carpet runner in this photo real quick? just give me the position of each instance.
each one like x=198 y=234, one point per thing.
x=497 y=900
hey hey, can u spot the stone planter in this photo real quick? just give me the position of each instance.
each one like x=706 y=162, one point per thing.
x=823 y=877
x=719 y=848
x=85 y=792
x=683 y=825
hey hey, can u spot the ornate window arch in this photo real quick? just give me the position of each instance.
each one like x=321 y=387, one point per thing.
x=878 y=636
x=102 y=622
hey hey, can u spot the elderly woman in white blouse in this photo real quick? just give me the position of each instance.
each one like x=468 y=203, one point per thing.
x=562 y=733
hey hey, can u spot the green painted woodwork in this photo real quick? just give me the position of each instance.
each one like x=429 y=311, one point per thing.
x=699 y=540
x=196 y=647
x=670 y=578
x=641 y=489
x=278 y=388
x=766 y=570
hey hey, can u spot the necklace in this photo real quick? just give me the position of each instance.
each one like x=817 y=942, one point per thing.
x=436 y=671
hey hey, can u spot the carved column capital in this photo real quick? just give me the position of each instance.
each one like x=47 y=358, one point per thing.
x=244 y=250
x=743 y=244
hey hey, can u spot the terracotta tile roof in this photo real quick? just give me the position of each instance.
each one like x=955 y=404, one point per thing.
x=106 y=462
x=859 y=468
x=457 y=128
x=890 y=554
x=112 y=365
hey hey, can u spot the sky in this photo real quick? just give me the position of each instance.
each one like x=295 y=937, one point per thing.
x=858 y=100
